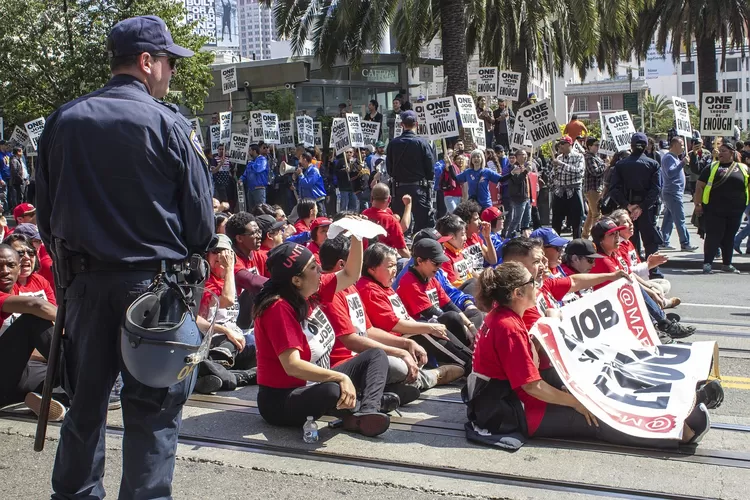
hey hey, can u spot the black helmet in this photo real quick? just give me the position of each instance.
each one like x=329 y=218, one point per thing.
x=160 y=341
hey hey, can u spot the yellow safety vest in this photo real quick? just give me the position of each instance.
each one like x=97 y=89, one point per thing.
x=714 y=169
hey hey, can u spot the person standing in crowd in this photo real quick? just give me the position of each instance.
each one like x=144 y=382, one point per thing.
x=310 y=183
x=575 y=127
x=593 y=183
x=115 y=263
x=16 y=186
x=673 y=187
x=410 y=162
x=25 y=213
x=373 y=115
x=635 y=184
x=452 y=190
x=721 y=196
x=488 y=119
x=223 y=176
x=503 y=116
x=698 y=159
x=395 y=112
x=478 y=179
x=652 y=151
x=567 y=200
x=346 y=171
x=519 y=194
x=255 y=178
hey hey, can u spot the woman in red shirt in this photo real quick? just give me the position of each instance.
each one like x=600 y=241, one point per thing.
x=509 y=396
x=29 y=281
x=293 y=345
x=307 y=211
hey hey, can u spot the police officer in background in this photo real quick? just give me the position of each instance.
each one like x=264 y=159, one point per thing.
x=410 y=162
x=152 y=211
x=635 y=184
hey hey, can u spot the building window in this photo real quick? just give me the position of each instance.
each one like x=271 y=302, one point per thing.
x=641 y=72
x=688 y=68
x=732 y=64
x=732 y=85
x=606 y=102
x=739 y=105
x=582 y=104
x=688 y=88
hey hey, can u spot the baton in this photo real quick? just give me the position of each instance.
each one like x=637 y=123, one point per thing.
x=49 y=379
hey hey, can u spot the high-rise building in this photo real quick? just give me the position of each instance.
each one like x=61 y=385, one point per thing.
x=257 y=30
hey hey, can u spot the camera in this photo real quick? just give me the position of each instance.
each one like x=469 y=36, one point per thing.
x=246 y=84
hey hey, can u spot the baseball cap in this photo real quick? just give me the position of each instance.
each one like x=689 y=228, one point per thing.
x=28 y=230
x=409 y=117
x=550 y=237
x=268 y=223
x=380 y=144
x=320 y=221
x=427 y=248
x=287 y=261
x=491 y=214
x=432 y=234
x=23 y=209
x=532 y=95
x=143 y=34
x=499 y=148
x=582 y=248
x=604 y=227
x=566 y=138
x=638 y=137
x=222 y=242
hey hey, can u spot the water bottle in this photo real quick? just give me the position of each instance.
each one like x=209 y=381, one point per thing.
x=310 y=431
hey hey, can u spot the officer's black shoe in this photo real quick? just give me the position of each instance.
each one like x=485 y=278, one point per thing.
x=367 y=424
x=710 y=394
x=208 y=384
x=246 y=377
x=389 y=402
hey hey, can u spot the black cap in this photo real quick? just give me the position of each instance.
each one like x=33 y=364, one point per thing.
x=143 y=34
x=427 y=248
x=409 y=117
x=268 y=223
x=582 y=248
x=604 y=227
x=287 y=261
x=432 y=234
x=499 y=148
x=638 y=138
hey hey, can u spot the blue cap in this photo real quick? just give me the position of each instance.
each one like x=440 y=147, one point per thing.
x=137 y=35
x=638 y=137
x=409 y=116
x=550 y=237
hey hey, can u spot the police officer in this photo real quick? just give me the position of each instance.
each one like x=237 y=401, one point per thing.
x=635 y=184
x=152 y=209
x=410 y=162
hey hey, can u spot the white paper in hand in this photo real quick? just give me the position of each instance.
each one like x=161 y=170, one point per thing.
x=360 y=228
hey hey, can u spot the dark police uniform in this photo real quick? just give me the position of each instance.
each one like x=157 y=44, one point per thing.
x=636 y=180
x=411 y=164
x=124 y=186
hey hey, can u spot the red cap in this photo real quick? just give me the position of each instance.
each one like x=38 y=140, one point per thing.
x=568 y=139
x=491 y=214
x=23 y=209
x=320 y=221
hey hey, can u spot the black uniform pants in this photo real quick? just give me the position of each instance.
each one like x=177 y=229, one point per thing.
x=291 y=407
x=26 y=333
x=455 y=350
x=649 y=235
x=572 y=208
x=720 y=232
x=95 y=306
x=421 y=205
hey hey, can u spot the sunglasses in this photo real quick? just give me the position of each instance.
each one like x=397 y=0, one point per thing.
x=171 y=60
x=26 y=251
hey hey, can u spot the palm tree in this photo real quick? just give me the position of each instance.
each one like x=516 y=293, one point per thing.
x=656 y=109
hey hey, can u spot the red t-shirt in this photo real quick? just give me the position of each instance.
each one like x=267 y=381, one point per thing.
x=609 y=264
x=36 y=286
x=45 y=265
x=473 y=252
x=301 y=226
x=214 y=285
x=382 y=305
x=628 y=252
x=458 y=269
x=384 y=217
x=548 y=296
x=346 y=312
x=255 y=263
x=418 y=295
x=3 y=297
x=503 y=351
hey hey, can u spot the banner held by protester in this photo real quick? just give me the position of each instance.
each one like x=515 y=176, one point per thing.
x=717 y=112
x=682 y=117
x=487 y=82
x=508 y=85
x=238 y=148
x=355 y=130
x=318 y=133
x=271 y=128
x=305 y=131
x=620 y=129
x=286 y=134
x=421 y=129
x=370 y=132
x=19 y=137
x=340 y=135
x=467 y=112
x=229 y=80
x=540 y=122
x=225 y=122
x=34 y=128
x=215 y=132
x=441 y=118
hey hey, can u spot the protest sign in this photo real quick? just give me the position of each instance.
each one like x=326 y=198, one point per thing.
x=215 y=131
x=608 y=355
x=467 y=111
x=508 y=85
x=225 y=122
x=682 y=117
x=487 y=82
x=195 y=124
x=2 y=129
x=421 y=129
x=606 y=146
x=441 y=118
x=229 y=80
x=286 y=134
x=19 y=137
x=340 y=139
x=397 y=128
x=620 y=129
x=318 y=133
x=370 y=131
x=517 y=135
x=255 y=124
x=271 y=128
x=34 y=128
x=477 y=137
x=305 y=133
x=355 y=130
x=539 y=122
x=238 y=148
x=717 y=112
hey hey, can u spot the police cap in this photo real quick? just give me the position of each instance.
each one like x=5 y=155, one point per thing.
x=143 y=34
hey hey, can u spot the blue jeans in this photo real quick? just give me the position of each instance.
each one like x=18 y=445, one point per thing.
x=654 y=311
x=349 y=201
x=521 y=217
x=674 y=214
x=255 y=197
x=451 y=202
x=744 y=232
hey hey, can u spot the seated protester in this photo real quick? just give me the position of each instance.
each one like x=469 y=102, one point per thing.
x=263 y=209
x=229 y=344
x=29 y=282
x=318 y=235
x=32 y=330
x=475 y=249
x=463 y=300
x=294 y=340
x=45 y=260
x=508 y=395
x=425 y=300
x=494 y=217
x=380 y=214
x=245 y=234
x=355 y=333
x=605 y=235
x=386 y=311
x=580 y=256
x=272 y=232
x=307 y=211
x=220 y=223
x=554 y=245
x=458 y=269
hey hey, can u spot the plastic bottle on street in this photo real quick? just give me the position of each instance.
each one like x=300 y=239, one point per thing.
x=310 y=431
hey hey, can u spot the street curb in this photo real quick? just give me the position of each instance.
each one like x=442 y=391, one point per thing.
x=698 y=264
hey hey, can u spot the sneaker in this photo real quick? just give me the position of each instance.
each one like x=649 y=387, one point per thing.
x=208 y=384
x=367 y=424
x=730 y=269
x=246 y=377
x=56 y=411
x=664 y=338
x=688 y=248
x=666 y=247
x=710 y=394
x=449 y=373
x=707 y=269
x=675 y=329
x=700 y=422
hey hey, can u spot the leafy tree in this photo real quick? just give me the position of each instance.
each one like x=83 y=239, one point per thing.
x=53 y=51
x=281 y=102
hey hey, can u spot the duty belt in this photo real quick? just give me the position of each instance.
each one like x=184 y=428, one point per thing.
x=417 y=183
x=87 y=264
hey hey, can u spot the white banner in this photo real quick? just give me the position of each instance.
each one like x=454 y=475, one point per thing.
x=539 y=122
x=318 y=133
x=286 y=134
x=34 y=128
x=682 y=117
x=238 y=148
x=340 y=139
x=508 y=85
x=421 y=129
x=215 y=131
x=487 y=82
x=397 y=128
x=225 y=122
x=255 y=124
x=355 y=130
x=195 y=124
x=305 y=134
x=477 y=137
x=517 y=135
x=370 y=131
x=607 y=353
x=467 y=111
x=202 y=12
x=441 y=118
x=19 y=137
x=717 y=112
x=271 y=128
x=606 y=146
x=620 y=129
x=229 y=80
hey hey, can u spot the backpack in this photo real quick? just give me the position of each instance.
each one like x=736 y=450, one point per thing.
x=447 y=183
